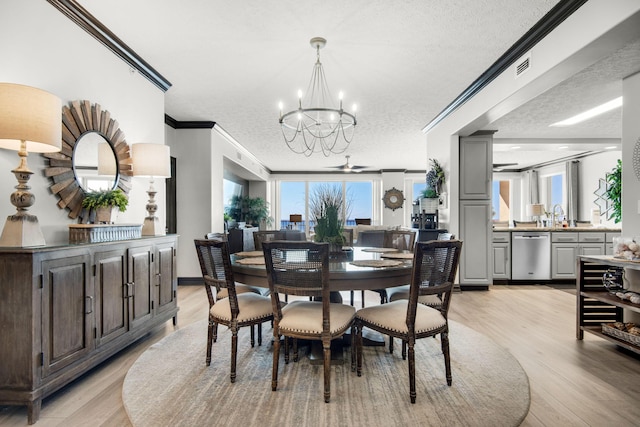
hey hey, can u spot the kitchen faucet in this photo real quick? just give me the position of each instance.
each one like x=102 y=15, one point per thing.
x=554 y=222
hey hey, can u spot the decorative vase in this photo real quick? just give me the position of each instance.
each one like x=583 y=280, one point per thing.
x=106 y=214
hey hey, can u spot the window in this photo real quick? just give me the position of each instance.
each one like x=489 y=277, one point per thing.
x=294 y=199
x=500 y=200
x=230 y=189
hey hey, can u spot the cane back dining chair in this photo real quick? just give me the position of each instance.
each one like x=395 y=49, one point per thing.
x=237 y=309
x=403 y=240
x=402 y=292
x=302 y=268
x=434 y=269
x=259 y=237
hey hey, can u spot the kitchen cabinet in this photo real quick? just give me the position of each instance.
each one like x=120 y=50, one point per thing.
x=67 y=308
x=608 y=242
x=501 y=248
x=476 y=170
x=475 y=260
x=566 y=246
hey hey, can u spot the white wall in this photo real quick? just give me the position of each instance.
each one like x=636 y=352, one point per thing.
x=41 y=47
x=592 y=169
x=630 y=140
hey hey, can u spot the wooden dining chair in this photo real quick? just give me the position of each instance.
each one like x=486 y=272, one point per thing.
x=403 y=240
x=302 y=268
x=434 y=269
x=402 y=292
x=237 y=309
x=262 y=236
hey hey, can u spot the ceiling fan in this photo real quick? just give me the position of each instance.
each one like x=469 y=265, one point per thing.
x=349 y=167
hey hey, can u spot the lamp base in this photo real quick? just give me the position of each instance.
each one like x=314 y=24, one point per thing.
x=22 y=230
x=151 y=227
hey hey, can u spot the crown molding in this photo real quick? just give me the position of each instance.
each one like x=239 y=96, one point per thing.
x=170 y=121
x=539 y=31
x=74 y=11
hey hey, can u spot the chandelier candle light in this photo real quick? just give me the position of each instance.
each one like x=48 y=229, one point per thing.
x=316 y=125
x=151 y=161
x=30 y=120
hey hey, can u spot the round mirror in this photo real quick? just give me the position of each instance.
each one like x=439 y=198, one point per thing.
x=94 y=163
x=94 y=156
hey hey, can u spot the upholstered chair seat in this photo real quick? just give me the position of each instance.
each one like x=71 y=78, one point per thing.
x=305 y=317
x=251 y=306
x=393 y=317
x=402 y=292
x=240 y=289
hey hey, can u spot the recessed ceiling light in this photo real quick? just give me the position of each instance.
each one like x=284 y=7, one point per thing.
x=607 y=106
x=515 y=147
x=563 y=147
x=611 y=147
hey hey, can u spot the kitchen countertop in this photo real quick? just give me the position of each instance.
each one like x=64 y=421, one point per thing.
x=559 y=229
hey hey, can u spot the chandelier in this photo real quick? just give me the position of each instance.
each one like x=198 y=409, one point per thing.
x=316 y=125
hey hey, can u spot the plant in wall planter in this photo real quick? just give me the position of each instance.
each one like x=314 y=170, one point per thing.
x=429 y=201
x=106 y=204
x=614 y=192
x=431 y=194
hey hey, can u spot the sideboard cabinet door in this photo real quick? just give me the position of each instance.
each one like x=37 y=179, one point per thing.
x=166 y=282
x=112 y=311
x=139 y=285
x=67 y=306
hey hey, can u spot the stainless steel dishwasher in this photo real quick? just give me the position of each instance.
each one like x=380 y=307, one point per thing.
x=530 y=255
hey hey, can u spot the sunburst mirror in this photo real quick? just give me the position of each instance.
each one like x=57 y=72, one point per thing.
x=94 y=156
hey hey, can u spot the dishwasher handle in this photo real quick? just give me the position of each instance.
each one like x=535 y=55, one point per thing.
x=530 y=237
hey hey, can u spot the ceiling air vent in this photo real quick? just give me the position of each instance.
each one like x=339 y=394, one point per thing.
x=238 y=155
x=523 y=65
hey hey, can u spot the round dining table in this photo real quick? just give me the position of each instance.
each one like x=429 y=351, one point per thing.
x=360 y=268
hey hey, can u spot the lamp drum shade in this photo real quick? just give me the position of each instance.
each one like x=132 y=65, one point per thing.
x=32 y=115
x=151 y=160
x=535 y=209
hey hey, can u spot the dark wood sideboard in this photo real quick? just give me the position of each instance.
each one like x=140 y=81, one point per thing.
x=65 y=309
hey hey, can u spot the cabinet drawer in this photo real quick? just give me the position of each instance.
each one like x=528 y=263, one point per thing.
x=564 y=237
x=591 y=237
x=609 y=236
x=501 y=237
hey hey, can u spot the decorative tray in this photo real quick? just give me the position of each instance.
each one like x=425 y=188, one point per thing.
x=95 y=233
x=608 y=329
x=250 y=261
x=394 y=255
x=376 y=263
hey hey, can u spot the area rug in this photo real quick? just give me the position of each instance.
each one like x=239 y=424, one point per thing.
x=170 y=385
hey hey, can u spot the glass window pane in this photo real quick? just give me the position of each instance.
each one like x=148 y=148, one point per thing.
x=292 y=201
x=359 y=199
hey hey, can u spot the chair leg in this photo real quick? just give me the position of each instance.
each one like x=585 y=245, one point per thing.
x=326 y=347
x=259 y=333
x=253 y=335
x=295 y=349
x=412 y=371
x=210 y=339
x=215 y=331
x=354 y=333
x=359 y=349
x=351 y=300
x=444 y=337
x=404 y=350
x=276 y=356
x=234 y=353
x=286 y=350
x=390 y=344
x=362 y=299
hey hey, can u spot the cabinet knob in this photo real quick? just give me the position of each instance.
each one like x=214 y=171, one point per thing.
x=88 y=304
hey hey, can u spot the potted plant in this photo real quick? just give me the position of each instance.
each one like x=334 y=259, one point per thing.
x=250 y=210
x=329 y=229
x=106 y=204
x=429 y=201
x=431 y=194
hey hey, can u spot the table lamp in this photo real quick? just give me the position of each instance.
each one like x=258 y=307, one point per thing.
x=535 y=210
x=295 y=219
x=151 y=161
x=30 y=120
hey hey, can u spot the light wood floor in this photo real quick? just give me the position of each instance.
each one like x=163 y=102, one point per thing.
x=573 y=383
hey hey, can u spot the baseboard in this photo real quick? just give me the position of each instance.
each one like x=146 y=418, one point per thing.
x=474 y=287
x=188 y=281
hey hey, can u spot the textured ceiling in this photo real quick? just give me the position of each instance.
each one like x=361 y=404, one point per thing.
x=402 y=62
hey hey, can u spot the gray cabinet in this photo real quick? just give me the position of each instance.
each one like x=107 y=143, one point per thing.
x=476 y=171
x=566 y=246
x=475 y=259
x=501 y=248
x=608 y=242
x=65 y=309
